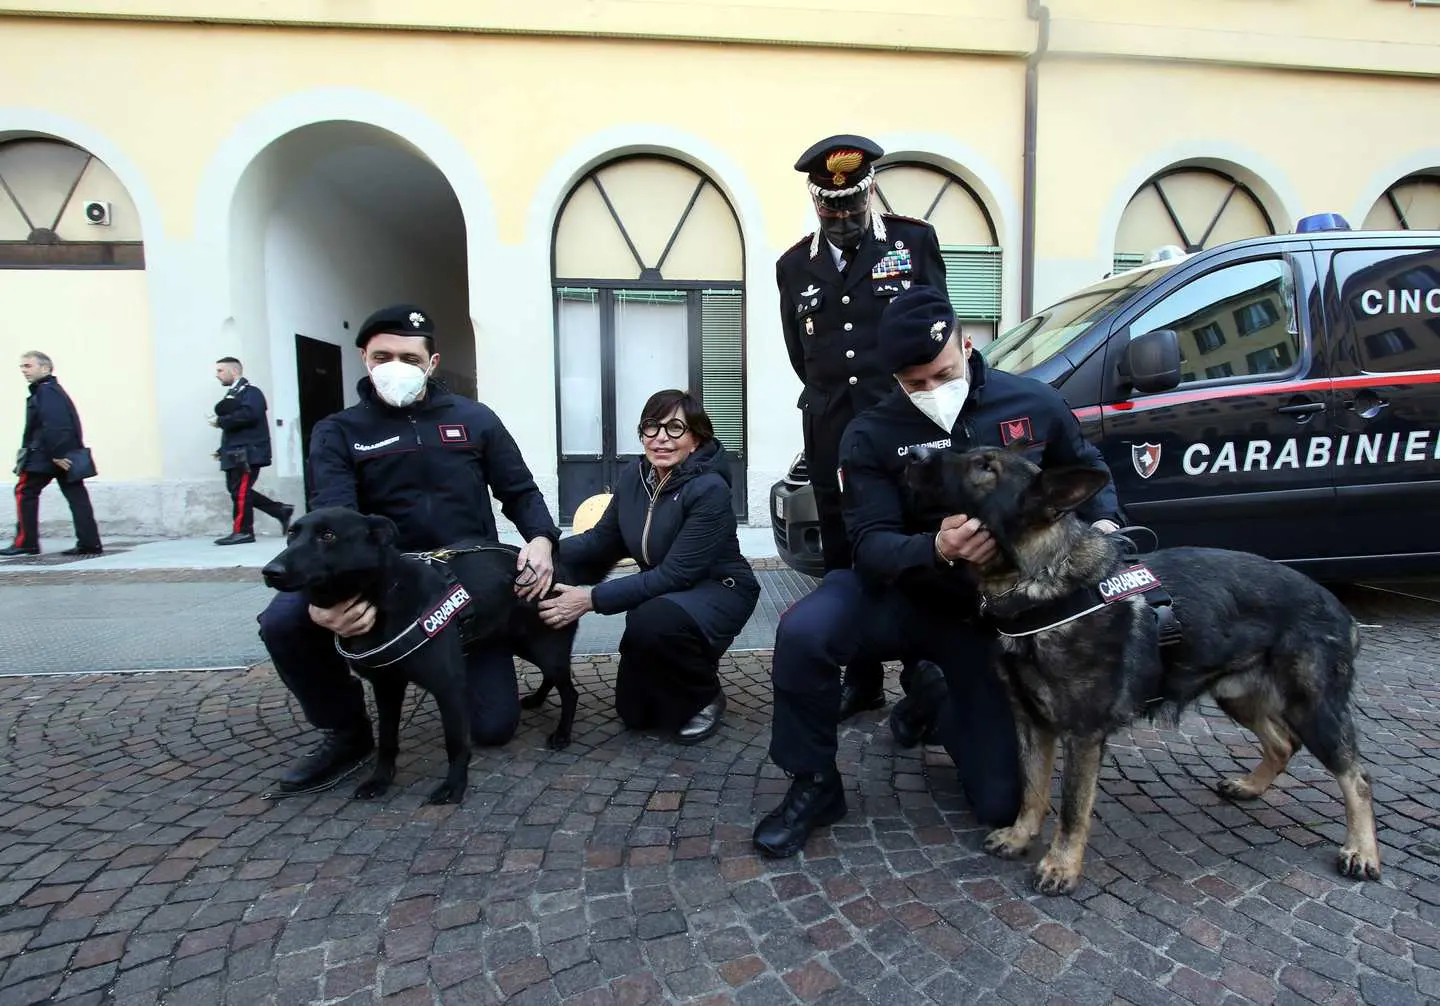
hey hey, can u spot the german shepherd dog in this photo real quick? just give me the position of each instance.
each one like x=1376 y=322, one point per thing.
x=1275 y=649
x=334 y=554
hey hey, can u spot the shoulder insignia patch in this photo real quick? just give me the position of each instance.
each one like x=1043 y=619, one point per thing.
x=1013 y=430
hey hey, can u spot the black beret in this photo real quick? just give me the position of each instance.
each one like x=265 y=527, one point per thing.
x=839 y=163
x=397 y=319
x=914 y=328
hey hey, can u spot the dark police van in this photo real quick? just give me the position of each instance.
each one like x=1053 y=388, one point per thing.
x=1277 y=395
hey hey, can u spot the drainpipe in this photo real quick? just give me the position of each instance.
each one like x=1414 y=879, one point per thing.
x=1036 y=11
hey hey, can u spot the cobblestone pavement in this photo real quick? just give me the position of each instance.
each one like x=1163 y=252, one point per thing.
x=138 y=863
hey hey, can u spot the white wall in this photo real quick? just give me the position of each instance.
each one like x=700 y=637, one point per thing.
x=328 y=262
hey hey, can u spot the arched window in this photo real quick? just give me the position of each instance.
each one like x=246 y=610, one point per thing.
x=1194 y=208
x=967 y=237
x=648 y=268
x=60 y=206
x=1411 y=204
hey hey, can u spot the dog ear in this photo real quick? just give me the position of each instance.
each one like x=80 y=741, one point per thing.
x=382 y=529
x=1064 y=489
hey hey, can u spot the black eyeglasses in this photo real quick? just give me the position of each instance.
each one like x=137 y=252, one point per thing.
x=674 y=429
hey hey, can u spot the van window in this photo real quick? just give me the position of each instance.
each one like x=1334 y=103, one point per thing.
x=1393 y=300
x=1238 y=321
x=1045 y=333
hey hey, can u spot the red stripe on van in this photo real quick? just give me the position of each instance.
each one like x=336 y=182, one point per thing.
x=1377 y=382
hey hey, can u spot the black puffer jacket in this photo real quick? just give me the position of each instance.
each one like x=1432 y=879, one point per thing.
x=684 y=541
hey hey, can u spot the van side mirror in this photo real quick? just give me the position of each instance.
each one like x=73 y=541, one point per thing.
x=1151 y=362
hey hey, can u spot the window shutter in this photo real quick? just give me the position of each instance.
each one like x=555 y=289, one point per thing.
x=722 y=363
x=972 y=276
x=576 y=295
x=1126 y=260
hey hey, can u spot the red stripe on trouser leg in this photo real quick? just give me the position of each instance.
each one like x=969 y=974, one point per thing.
x=242 y=501
x=20 y=541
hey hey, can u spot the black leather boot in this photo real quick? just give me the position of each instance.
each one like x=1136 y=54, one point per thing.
x=337 y=755
x=814 y=800
x=914 y=718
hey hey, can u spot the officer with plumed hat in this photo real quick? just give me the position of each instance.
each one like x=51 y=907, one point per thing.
x=834 y=284
x=909 y=593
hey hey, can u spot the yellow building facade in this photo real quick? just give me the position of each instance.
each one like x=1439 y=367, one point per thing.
x=590 y=195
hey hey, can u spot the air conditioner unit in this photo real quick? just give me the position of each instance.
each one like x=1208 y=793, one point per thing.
x=97 y=212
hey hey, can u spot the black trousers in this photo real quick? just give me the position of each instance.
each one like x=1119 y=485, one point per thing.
x=862 y=672
x=334 y=699
x=840 y=622
x=244 y=500
x=668 y=669
x=27 y=509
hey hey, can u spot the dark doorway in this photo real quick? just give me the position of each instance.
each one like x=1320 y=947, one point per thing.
x=322 y=391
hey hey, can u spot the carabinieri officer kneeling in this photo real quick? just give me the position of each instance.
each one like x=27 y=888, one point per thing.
x=906 y=597
x=429 y=460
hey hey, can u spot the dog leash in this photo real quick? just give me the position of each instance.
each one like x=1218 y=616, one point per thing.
x=445 y=554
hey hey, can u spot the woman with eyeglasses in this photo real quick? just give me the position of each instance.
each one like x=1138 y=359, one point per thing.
x=694 y=591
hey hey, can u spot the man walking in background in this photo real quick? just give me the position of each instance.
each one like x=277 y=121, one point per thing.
x=244 y=451
x=49 y=448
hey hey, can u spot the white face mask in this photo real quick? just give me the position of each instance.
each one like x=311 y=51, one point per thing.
x=397 y=382
x=943 y=404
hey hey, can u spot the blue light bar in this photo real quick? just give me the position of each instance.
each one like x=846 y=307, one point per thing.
x=1321 y=222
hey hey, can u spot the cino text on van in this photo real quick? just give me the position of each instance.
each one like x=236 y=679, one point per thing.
x=1401 y=301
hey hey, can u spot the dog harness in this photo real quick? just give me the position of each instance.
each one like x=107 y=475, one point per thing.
x=452 y=604
x=1132 y=581
x=424 y=628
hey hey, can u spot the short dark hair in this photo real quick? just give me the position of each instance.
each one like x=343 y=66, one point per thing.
x=662 y=403
x=229 y=359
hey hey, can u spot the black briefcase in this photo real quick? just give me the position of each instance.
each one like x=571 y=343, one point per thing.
x=82 y=465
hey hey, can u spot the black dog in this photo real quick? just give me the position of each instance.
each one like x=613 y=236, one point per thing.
x=335 y=554
x=1082 y=653
x=488 y=570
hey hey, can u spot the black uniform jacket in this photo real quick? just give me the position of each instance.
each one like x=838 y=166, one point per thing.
x=1002 y=410
x=684 y=541
x=52 y=427
x=241 y=418
x=430 y=468
x=830 y=324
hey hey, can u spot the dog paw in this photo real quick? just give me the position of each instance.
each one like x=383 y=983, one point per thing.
x=1358 y=864
x=371 y=788
x=532 y=701
x=1007 y=843
x=1052 y=877
x=446 y=793
x=1238 y=788
x=558 y=741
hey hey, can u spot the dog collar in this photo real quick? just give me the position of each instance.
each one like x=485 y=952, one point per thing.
x=426 y=627
x=1132 y=581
